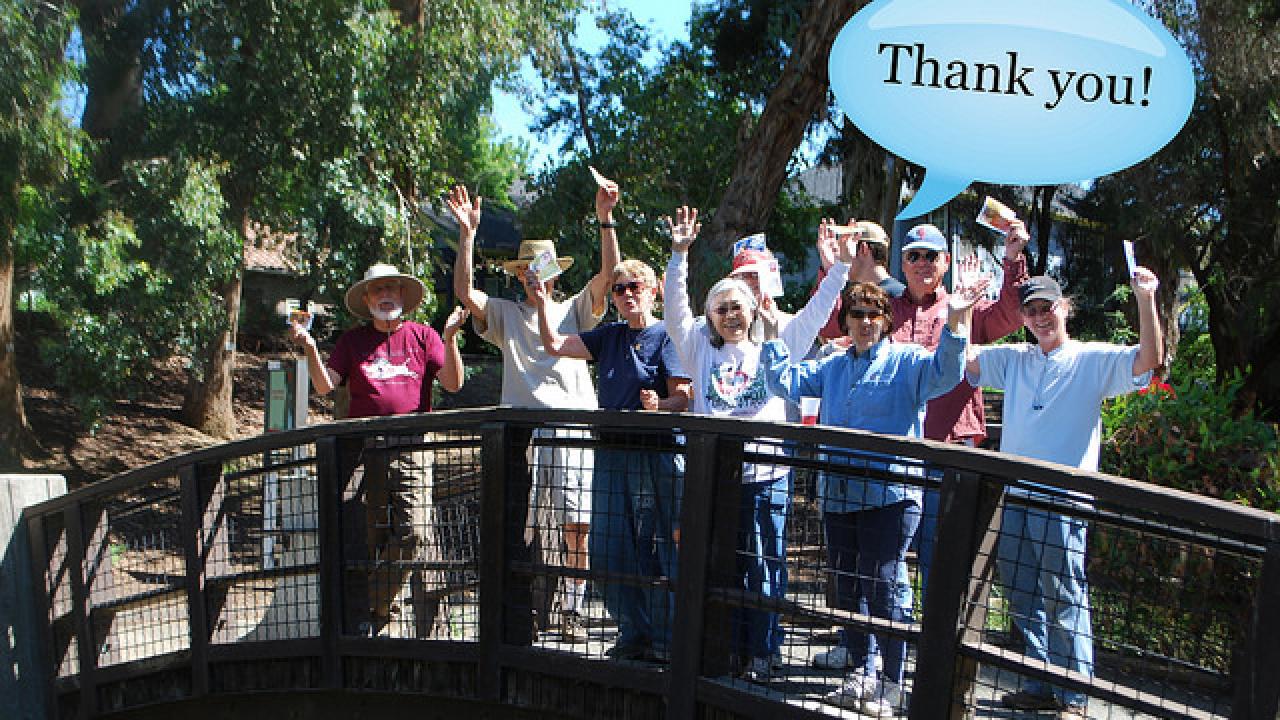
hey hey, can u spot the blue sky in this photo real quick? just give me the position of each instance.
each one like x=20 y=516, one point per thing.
x=668 y=20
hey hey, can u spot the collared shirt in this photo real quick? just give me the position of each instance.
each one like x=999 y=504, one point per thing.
x=883 y=390
x=959 y=415
x=1053 y=402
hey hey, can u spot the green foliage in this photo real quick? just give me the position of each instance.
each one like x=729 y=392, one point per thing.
x=138 y=283
x=1194 y=441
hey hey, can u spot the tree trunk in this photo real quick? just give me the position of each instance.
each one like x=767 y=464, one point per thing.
x=872 y=177
x=763 y=159
x=16 y=439
x=208 y=402
x=113 y=78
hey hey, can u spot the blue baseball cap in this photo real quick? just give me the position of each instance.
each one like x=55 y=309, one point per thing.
x=925 y=237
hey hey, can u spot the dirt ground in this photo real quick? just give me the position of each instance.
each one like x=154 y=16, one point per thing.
x=147 y=428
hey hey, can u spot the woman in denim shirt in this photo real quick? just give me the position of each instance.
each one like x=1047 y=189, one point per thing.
x=882 y=386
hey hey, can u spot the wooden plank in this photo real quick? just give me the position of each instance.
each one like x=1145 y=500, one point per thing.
x=85 y=649
x=695 y=542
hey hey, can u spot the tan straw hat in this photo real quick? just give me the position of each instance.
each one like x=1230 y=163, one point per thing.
x=411 y=290
x=530 y=249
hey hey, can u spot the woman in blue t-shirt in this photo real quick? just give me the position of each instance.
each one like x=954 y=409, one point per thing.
x=635 y=494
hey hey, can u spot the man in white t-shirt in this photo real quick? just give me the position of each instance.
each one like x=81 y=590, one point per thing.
x=534 y=378
x=1052 y=411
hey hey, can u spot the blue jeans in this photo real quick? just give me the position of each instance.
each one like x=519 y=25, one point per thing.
x=762 y=549
x=865 y=550
x=635 y=505
x=1041 y=560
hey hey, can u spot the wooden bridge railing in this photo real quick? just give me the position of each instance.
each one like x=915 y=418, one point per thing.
x=255 y=568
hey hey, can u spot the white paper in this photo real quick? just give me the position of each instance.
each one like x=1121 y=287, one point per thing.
x=1129 y=258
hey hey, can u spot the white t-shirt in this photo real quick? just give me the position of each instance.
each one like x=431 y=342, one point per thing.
x=532 y=377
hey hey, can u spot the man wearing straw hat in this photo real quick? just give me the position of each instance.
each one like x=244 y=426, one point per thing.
x=388 y=365
x=534 y=378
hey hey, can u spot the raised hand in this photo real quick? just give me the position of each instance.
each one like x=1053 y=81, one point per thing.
x=1016 y=239
x=466 y=210
x=455 y=321
x=826 y=244
x=769 y=320
x=684 y=229
x=971 y=285
x=1144 y=283
x=606 y=199
x=298 y=335
x=537 y=289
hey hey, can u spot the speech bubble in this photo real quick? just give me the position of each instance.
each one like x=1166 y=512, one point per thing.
x=1013 y=92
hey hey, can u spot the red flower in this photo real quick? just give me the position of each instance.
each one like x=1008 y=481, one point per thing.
x=1159 y=388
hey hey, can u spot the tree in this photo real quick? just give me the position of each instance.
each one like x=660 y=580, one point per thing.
x=307 y=104
x=1210 y=200
x=34 y=139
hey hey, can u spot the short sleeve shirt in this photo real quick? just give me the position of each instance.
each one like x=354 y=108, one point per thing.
x=531 y=376
x=629 y=360
x=388 y=373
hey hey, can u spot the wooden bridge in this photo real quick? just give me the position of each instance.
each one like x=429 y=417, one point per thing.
x=228 y=582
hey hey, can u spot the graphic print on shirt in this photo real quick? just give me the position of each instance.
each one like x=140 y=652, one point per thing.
x=383 y=370
x=734 y=391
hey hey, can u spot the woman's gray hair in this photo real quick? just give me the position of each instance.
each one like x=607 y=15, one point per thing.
x=727 y=285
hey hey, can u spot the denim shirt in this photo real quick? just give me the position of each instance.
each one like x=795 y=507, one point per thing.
x=883 y=390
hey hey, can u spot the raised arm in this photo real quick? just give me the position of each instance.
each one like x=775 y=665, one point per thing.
x=610 y=256
x=994 y=320
x=453 y=374
x=675 y=296
x=554 y=343
x=1150 y=336
x=467 y=212
x=803 y=329
x=322 y=379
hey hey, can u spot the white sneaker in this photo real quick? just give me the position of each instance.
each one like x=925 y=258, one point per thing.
x=837 y=658
x=856 y=689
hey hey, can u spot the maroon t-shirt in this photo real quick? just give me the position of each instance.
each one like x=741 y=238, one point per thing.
x=388 y=374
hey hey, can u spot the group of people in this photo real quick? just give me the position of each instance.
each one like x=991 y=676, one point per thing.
x=898 y=358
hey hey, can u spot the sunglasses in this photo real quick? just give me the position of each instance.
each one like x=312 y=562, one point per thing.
x=726 y=309
x=634 y=286
x=864 y=314
x=915 y=255
x=1034 y=311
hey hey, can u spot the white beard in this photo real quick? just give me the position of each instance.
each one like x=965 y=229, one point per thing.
x=387 y=315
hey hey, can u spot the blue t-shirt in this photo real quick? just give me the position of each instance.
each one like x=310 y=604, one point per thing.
x=630 y=360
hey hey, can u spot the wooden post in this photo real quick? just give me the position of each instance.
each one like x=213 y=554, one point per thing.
x=193 y=548
x=329 y=482
x=493 y=558
x=1257 y=676
x=968 y=529
x=708 y=546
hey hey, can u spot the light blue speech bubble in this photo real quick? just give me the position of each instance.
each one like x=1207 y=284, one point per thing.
x=1014 y=92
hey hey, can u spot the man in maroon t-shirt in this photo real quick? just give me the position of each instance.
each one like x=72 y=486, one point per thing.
x=388 y=366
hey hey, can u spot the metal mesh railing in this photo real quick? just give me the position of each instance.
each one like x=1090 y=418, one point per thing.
x=681 y=565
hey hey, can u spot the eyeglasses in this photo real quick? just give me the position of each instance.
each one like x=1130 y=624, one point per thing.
x=634 y=286
x=727 y=309
x=913 y=256
x=1035 y=311
x=864 y=314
